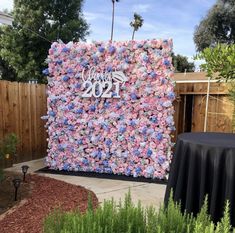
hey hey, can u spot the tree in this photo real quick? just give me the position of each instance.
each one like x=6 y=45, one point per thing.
x=182 y=64
x=24 y=46
x=217 y=27
x=113 y=12
x=219 y=60
x=136 y=24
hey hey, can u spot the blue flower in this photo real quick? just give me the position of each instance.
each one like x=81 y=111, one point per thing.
x=153 y=74
x=122 y=129
x=106 y=104
x=153 y=119
x=166 y=62
x=51 y=113
x=171 y=95
x=45 y=72
x=99 y=154
x=65 y=78
x=136 y=152
x=66 y=121
x=70 y=71
x=169 y=120
x=65 y=50
x=79 y=111
x=101 y=49
x=109 y=69
x=71 y=128
x=138 y=170
x=127 y=60
x=78 y=86
x=59 y=62
x=159 y=136
x=144 y=130
x=105 y=163
x=80 y=142
x=132 y=123
x=149 y=152
x=85 y=161
x=161 y=160
x=71 y=106
x=112 y=49
x=84 y=63
x=92 y=108
x=139 y=46
x=145 y=58
x=108 y=142
x=66 y=167
x=133 y=96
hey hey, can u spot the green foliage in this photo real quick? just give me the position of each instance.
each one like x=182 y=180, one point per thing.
x=136 y=23
x=219 y=60
x=181 y=63
x=7 y=148
x=217 y=27
x=8 y=145
x=128 y=218
x=24 y=46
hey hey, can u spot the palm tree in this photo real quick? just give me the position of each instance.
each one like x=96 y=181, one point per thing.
x=136 y=24
x=113 y=1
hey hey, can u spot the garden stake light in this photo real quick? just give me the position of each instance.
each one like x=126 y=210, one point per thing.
x=24 y=170
x=16 y=182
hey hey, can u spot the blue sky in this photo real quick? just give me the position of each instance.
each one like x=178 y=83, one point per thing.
x=162 y=19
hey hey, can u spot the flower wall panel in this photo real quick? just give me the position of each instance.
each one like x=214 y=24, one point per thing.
x=123 y=123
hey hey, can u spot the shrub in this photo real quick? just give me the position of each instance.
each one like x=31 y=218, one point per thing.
x=127 y=218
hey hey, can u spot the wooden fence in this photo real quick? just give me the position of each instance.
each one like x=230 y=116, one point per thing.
x=22 y=105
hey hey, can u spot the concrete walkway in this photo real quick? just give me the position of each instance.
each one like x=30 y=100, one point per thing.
x=148 y=194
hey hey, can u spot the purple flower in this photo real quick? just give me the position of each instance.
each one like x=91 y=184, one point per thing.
x=112 y=49
x=159 y=136
x=45 y=72
x=153 y=74
x=101 y=49
x=149 y=152
x=133 y=96
x=122 y=129
x=66 y=78
x=51 y=113
x=65 y=50
x=79 y=111
x=92 y=108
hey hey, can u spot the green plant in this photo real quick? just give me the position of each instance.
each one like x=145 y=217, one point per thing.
x=128 y=218
x=220 y=61
x=7 y=148
x=8 y=145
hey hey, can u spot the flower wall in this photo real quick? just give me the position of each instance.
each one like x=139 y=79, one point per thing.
x=126 y=133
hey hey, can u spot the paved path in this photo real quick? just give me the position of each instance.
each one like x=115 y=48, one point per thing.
x=147 y=193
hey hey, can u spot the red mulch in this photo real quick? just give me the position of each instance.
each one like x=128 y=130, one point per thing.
x=47 y=194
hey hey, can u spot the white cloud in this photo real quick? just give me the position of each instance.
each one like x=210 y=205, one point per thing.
x=141 y=8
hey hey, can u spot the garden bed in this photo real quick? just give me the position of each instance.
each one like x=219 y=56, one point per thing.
x=42 y=195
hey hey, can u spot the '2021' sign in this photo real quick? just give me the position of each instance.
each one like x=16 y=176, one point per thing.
x=104 y=85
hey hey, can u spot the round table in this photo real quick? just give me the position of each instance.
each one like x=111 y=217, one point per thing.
x=204 y=164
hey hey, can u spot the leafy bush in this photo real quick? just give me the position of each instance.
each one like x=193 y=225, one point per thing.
x=7 y=148
x=8 y=145
x=127 y=218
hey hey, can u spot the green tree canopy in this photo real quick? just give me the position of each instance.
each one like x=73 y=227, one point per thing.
x=25 y=44
x=182 y=64
x=217 y=27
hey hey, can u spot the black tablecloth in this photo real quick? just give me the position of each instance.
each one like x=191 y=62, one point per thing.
x=204 y=164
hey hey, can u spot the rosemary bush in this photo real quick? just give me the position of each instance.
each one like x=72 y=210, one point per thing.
x=127 y=218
